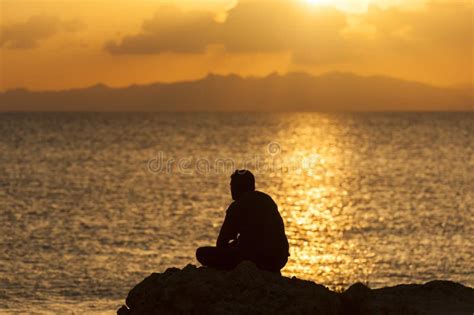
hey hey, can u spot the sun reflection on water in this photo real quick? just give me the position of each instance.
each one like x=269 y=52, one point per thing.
x=315 y=207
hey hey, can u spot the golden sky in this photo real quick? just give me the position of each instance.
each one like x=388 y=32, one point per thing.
x=57 y=44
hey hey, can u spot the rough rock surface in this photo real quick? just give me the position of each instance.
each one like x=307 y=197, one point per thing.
x=248 y=290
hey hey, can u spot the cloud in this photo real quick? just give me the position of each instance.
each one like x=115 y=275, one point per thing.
x=279 y=26
x=250 y=27
x=313 y=34
x=439 y=34
x=28 y=34
x=170 y=30
x=443 y=23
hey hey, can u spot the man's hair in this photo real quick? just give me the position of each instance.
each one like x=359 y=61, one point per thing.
x=243 y=180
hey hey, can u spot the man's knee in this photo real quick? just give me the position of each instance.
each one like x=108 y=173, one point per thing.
x=199 y=254
x=202 y=254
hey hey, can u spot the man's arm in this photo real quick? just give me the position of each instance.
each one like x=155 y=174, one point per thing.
x=229 y=229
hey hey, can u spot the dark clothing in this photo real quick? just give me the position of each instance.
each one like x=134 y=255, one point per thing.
x=229 y=257
x=219 y=257
x=256 y=230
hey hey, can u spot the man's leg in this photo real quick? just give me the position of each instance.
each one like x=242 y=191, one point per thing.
x=219 y=257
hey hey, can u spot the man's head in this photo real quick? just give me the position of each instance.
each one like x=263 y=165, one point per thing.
x=241 y=181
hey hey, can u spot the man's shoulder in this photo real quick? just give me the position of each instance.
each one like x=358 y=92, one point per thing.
x=232 y=206
x=256 y=196
x=261 y=194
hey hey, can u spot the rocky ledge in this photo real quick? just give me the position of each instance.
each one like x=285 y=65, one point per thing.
x=248 y=290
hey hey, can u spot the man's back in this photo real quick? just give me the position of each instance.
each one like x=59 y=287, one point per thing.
x=255 y=217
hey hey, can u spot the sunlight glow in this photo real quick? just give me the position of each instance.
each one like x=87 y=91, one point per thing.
x=361 y=6
x=354 y=6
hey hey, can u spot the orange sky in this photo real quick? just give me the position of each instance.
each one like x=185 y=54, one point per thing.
x=57 y=44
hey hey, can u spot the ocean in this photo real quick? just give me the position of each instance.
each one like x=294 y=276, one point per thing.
x=91 y=203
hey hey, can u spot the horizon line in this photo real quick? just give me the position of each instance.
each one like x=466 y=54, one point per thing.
x=459 y=86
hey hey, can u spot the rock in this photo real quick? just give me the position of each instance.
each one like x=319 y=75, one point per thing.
x=249 y=290
x=244 y=290
x=355 y=299
x=432 y=298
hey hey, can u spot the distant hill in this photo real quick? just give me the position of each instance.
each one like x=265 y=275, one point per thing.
x=290 y=92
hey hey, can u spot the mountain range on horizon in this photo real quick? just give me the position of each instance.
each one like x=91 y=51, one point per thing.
x=335 y=91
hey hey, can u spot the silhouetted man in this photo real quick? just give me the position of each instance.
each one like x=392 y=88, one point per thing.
x=252 y=230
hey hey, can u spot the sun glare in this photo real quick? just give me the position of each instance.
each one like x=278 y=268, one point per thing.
x=327 y=2
x=354 y=6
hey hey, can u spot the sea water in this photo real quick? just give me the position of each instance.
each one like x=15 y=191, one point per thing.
x=91 y=203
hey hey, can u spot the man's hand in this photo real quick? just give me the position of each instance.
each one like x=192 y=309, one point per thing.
x=234 y=243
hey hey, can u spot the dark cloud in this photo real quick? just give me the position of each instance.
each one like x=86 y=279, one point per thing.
x=170 y=30
x=28 y=34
